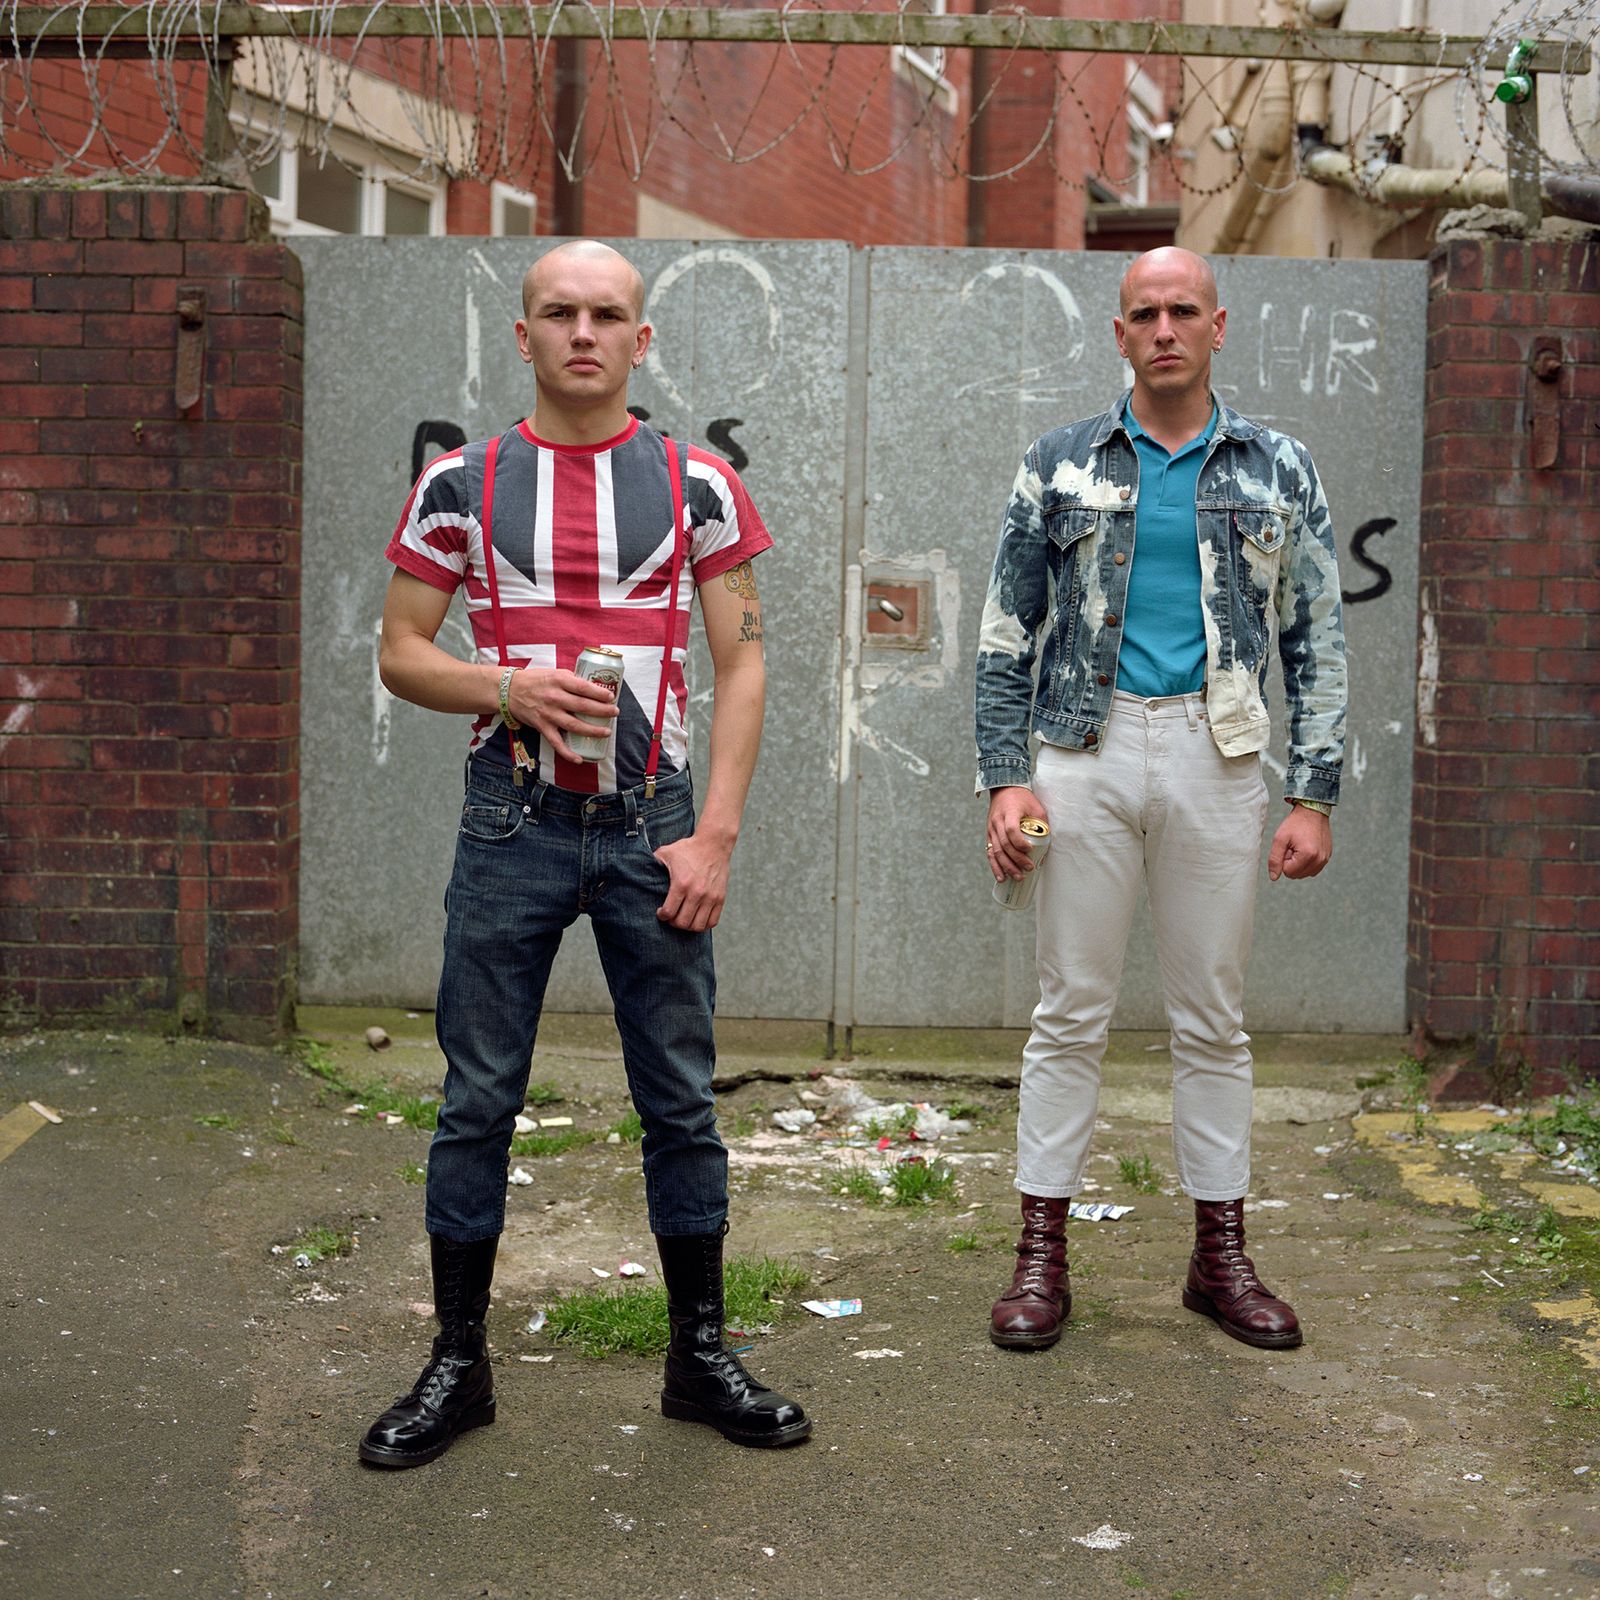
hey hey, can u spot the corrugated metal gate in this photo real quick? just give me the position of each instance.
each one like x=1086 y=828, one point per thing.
x=876 y=403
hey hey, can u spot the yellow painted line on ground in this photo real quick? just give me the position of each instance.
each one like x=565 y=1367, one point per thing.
x=1586 y=1314
x=1422 y=1164
x=17 y=1127
x=1570 y=1199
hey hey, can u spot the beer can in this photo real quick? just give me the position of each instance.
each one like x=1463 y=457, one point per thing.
x=1016 y=894
x=602 y=666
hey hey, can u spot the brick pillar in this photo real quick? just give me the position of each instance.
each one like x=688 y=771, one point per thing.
x=149 y=608
x=1504 y=937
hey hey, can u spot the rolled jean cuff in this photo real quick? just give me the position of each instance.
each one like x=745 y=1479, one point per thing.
x=1046 y=1191
x=678 y=1229
x=1214 y=1192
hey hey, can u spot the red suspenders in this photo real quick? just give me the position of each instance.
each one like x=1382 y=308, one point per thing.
x=677 y=469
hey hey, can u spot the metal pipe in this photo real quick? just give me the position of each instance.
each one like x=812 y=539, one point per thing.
x=1406 y=186
x=1272 y=130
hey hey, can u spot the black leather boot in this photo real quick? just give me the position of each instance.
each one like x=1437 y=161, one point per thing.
x=705 y=1382
x=455 y=1391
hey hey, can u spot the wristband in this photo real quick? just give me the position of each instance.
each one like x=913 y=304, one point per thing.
x=1319 y=806
x=505 y=703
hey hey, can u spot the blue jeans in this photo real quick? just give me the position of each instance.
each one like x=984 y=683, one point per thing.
x=528 y=862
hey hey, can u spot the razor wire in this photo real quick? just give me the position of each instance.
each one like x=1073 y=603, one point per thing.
x=479 y=103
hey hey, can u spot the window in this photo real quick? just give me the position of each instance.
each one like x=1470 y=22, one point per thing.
x=1147 y=133
x=512 y=211
x=926 y=64
x=354 y=188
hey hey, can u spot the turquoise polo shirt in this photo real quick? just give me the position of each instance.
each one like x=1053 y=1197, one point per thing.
x=1163 y=631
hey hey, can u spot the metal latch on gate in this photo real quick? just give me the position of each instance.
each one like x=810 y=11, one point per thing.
x=1543 y=401
x=191 y=363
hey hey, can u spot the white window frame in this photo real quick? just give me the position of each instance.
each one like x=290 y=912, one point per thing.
x=375 y=169
x=928 y=65
x=502 y=194
x=1144 y=114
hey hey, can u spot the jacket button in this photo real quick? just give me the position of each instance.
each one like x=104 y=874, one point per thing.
x=1119 y=558
x=1103 y=678
x=1124 y=494
x=1111 y=619
x=1090 y=739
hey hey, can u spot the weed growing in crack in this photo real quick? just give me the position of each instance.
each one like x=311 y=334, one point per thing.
x=322 y=1243
x=631 y=1319
x=1138 y=1173
x=628 y=1128
x=416 y=1110
x=901 y=1183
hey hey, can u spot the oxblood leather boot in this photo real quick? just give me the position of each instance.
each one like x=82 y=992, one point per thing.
x=1028 y=1316
x=1223 y=1284
x=455 y=1391
x=705 y=1381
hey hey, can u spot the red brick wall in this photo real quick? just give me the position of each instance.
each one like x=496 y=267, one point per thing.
x=149 y=609
x=1504 y=945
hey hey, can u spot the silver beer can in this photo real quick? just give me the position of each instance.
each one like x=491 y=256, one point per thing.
x=602 y=666
x=1016 y=894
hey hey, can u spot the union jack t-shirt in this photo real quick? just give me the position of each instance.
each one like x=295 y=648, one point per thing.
x=582 y=545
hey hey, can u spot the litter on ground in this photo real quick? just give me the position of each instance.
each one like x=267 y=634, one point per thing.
x=833 y=1308
x=1097 y=1211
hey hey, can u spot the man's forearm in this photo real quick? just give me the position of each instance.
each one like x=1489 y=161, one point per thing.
x=737 y=711
x=415 y=669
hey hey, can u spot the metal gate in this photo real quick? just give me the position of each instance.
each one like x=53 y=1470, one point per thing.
x=876 y=404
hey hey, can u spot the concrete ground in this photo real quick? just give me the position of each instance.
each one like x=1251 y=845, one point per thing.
x=181 y=1403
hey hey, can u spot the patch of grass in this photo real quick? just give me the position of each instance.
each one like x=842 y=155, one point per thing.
x=960 y=1243
x=859 y=1184
x=966 y=1111
x=322 y=1243
x=631 y=1319
x=1138 y=1173
x=628 y=1127
x=219 y=1119
x=903 y=1121
x=279 y=1133
x=920 y=1183
x=1580 y=1395
x=556 y=1142
x=412 y=1172
x=901 y=1183
x=543 y=1094
x=1573 y=1122
x=374 y=1095
x=1374 y=1080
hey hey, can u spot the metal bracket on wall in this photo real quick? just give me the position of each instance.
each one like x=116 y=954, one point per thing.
x=1543 y=401
x=191 y=348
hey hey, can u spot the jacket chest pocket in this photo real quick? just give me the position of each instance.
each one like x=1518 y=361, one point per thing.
x=1259 y=537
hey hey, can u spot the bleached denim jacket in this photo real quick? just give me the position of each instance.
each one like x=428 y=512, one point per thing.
x=1066 y=551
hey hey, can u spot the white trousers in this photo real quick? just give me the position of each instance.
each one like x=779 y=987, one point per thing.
x=1159 y=807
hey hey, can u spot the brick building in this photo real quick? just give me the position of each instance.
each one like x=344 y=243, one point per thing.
x=1102 y=177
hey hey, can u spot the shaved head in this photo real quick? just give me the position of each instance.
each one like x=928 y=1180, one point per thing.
x=1169 y=259
x=583 y=252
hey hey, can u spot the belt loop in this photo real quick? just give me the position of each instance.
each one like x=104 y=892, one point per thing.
x=536 y=801
x=630 y=804
x=1191 y=704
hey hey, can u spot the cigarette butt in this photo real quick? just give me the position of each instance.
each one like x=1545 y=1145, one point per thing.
x=45 y=1111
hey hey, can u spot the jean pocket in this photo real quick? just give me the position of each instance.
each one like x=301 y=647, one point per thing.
x=492 y=823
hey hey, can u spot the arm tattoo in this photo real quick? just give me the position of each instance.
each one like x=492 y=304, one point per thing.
x=750 y=628
x=741 y=580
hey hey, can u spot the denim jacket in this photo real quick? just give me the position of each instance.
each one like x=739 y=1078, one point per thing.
x=1065 y=555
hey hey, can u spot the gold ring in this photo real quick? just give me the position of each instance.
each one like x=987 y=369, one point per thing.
x=989 y=848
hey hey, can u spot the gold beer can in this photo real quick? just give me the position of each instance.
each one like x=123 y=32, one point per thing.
x=603 y=666
x=1016 y=894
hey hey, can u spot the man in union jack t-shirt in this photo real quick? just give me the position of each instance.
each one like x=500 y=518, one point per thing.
x=581 y=527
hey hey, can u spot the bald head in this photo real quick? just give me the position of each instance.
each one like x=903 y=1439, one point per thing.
x=583 y=254
x=1167 y=264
